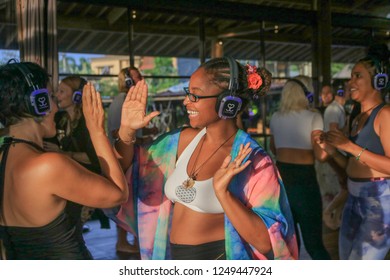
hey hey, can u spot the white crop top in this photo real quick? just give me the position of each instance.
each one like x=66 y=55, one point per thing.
x=293 y=130
x=201 y=196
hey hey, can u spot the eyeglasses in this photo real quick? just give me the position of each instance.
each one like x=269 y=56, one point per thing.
x=195 y=98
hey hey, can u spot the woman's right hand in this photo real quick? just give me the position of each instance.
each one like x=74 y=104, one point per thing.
x=134 y=108
x=336 y=138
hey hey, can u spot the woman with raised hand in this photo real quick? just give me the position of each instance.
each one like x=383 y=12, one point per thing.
x=36 y=185
x=207 y=191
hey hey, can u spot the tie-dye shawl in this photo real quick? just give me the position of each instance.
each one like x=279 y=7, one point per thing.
x=147 y=213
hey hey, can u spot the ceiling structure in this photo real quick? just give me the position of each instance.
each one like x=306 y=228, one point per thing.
x=176 y=28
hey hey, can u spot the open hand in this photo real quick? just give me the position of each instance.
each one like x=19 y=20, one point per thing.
x=134 y=107
x=229 y=169
x=93 y=109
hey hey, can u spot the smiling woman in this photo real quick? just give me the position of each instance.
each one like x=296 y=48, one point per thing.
x=364 y=232
x=209 y=191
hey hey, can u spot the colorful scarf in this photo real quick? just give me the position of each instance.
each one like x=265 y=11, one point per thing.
x=148 y=212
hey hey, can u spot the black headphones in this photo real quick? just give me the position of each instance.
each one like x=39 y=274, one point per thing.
x=38 y=101
x=78 y=93
x=228 y=103
x=309 y=95
x=128 y=79
x=381 y=79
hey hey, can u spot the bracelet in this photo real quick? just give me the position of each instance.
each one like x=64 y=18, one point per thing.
x=361 y=152
x=117 y=139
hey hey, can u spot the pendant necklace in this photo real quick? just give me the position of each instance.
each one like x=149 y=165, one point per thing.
x=359 y=117
x=190 y=181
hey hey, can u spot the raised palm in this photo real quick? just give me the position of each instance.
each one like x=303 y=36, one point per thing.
x=134 y=107
x=229 y=168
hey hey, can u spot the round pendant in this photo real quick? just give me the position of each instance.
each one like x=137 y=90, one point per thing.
x=186 y=195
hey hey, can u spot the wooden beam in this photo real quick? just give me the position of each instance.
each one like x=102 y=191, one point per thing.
x=115 y=14
x=243 y=11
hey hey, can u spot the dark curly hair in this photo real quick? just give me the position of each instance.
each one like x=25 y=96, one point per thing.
x=15 y=91
x=219 y=70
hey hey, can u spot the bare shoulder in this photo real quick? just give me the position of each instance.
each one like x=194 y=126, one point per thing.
x=46 y=168
x=384 y=114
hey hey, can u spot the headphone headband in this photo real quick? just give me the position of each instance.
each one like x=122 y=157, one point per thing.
x=228 y=103
x=233 y=82
x=309 y=95
x=38 y=101
x=78 y=93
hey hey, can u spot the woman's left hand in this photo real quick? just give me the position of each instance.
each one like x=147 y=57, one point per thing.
x=337 y=139
x=229 y=169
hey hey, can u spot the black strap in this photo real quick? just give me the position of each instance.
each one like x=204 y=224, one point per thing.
x=7 y=142
x=4 y=147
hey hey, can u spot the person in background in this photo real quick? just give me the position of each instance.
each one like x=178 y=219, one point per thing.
x=364 y=232
x=335 y=119
x=73 y=138
x=326 y=95
x=294 y=128
x=208 y=190
x=36 y=185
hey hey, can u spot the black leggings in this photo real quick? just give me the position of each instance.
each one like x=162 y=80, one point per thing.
x=304 y=196
x=207 y=251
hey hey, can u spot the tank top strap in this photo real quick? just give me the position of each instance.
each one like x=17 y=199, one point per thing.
x=372 y=116
x=5 y=144
x=186 y=154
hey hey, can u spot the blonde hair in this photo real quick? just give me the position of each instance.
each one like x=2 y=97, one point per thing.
x=293 y=95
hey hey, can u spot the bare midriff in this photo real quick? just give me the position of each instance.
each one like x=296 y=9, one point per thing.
x=192 y=228
x=296 y=156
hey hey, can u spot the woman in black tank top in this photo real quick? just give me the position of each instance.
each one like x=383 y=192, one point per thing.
x=35 y=185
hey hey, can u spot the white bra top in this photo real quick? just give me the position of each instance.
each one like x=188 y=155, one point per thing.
x=201 y=196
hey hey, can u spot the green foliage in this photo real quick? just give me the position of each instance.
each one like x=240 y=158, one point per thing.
x=108 y=87
x=163 y=67
x=68 y=64
x=336 y=68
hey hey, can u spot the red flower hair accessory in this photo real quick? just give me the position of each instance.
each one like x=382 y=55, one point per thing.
x=254 y=79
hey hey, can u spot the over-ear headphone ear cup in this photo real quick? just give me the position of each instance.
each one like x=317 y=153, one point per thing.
x=77 y=97
x=128 y=79
x=309 y=95
x=129 y=82
x=380 y=81
x=38 y=101
x=219 y=100
x=227 y=105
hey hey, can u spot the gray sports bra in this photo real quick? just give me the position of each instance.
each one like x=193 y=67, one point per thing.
x=201 y=196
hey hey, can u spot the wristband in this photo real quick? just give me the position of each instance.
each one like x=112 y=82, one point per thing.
x=117 y=139
x=359 y=154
